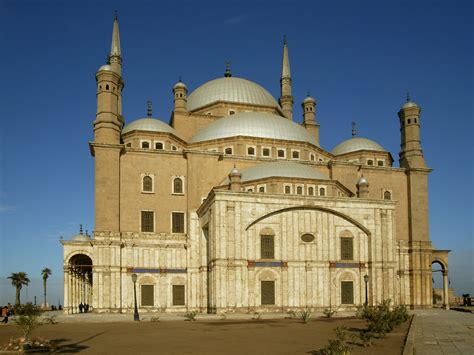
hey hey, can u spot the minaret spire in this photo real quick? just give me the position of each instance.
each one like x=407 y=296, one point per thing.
x=115 y=56
x=286 y=99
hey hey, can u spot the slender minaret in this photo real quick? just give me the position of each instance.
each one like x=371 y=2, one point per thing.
x=309 y=117
x=286 y=100
x=419 y=244
x=106 y=146
x=411 y=154
x=362 y=187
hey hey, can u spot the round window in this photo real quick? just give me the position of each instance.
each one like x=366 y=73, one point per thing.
x=307 y=238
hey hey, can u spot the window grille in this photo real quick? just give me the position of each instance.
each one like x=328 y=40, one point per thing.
x=347 y=249
x=311 y=191
x=177 y=222
x=147 y=295
x=370 y=162
x=159 y=145
x=295 y=154
x=177 y=186
x=387 y=195
x=281 y=153
x=268 y=292
x=266 y=152
x=250 y=151
x=228 y=151
x=145 y=145
x=148 y=221
x=267 y=247
x=380 y=162
x=287 y=189
x=299 y=190
x=347 y=292
x=322 y=191
x=178 y=295
x=147 y=184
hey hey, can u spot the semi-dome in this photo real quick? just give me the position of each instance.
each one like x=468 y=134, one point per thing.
x=254 y=124
x=230 y=89
x=354 y=144
x=149 y=124
x=285 y=169
x=81 y=238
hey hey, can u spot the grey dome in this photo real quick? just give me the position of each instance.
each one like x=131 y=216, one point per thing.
x=180 y=84
x=354 y=144
x=409 y=104
x=281 y=169
x=362 y=181
x=106 y=67
x=309 y=99
x=254 y=124
x=149 y=124
x=230 y=89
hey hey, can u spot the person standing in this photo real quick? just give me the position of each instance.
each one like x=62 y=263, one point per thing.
x=5 y=314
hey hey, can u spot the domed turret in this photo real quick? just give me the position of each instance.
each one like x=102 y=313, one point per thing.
x=363 y=187
x=180 y=96
x=309 y=117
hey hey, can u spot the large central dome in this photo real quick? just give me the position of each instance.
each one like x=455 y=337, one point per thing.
x=230 y=89
x=254 y=124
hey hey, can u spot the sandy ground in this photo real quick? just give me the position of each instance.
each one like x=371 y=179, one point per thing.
x=266 y=336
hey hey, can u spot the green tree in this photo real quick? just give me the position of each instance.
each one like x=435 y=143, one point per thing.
x=18 y=280
x=45 y=273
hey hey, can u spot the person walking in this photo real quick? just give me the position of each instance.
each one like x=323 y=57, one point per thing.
x=5 y=314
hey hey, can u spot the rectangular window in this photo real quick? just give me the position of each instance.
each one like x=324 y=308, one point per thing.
x=268 y=292
x=148 y=222
x=177 y=221
x=347 y=292
x=267 y=247
x=266 y=152
x=347 y=249
x=178 y=295
x=148 y=292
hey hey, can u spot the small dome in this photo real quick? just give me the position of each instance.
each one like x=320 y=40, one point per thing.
x=281 y=169
x=149 y=124
x=81 y=238
x=355 y=144
x=409 y=104
x=234 y=171
x=180 y=84
x=230 y=89
x=254 y=124
x=309 y=99
x=106 y=67
x=362 y=181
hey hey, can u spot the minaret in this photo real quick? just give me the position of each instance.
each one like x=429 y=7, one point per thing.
x=363 y=187
x=180 y=92
x=309 y=117
x=286 y=100
x=107 y=146
x=411 y=154
x=235 y=180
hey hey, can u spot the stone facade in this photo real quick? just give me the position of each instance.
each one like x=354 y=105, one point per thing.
x=262 y=220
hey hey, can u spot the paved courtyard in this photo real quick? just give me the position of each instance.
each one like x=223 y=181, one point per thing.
x=438 y=331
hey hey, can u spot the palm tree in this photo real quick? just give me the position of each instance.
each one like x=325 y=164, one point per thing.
x=45 y=272
x=18 y=280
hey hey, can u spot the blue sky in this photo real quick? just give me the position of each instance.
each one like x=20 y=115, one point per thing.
x=358 y=59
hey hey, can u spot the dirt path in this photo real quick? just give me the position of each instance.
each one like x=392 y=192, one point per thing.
x=283 y=336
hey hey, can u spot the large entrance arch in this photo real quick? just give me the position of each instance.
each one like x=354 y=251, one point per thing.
x=78 y=282
x=439 y=263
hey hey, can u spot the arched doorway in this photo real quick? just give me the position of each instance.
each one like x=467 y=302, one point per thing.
x=79 y=284
x=440 y=277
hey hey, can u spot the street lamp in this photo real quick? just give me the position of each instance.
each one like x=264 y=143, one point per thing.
x=366 y=280
x=136 y=317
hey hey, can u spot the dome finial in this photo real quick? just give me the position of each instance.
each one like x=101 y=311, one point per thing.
x=408 y=97
x=354 y=132
x=227 y=73
x=179 y=79
x=284 y=40
x=149 y=108
x=115 y=15
x=80 y=228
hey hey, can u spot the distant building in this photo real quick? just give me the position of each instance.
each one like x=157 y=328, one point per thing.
x=233 y=206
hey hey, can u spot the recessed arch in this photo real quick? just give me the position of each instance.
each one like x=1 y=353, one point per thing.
x=311 y=208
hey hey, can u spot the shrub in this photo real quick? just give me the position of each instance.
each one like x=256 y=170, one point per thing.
x=366 y=337
x=381 y=319
x=329 y=312
x=305 y=315
x=291 y=314
x=257 y=315
x=27 y=318
x=155 y=319
x=50 y=320
x=336 y=346
x=400 y=315
x=191 y=316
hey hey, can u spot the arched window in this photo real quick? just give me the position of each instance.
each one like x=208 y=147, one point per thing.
x=281 y=153
x=266 y=152
x=107 y=87
x=322 y=191
x=299 y=190
x=177 y=186
x=228 y=151
x=145 y=145
x=370 y=162
x=159 y=145
x=295 y=154
x=287 y=189
x=311 y=157
x=261 y=189
x=387 y=195
x=147 y=184
x=250 y=151
x=267 y=247
x=409 y=121
x=347 y=248
x=311 y=191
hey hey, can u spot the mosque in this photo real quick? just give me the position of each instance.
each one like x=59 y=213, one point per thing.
x=235 y=207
